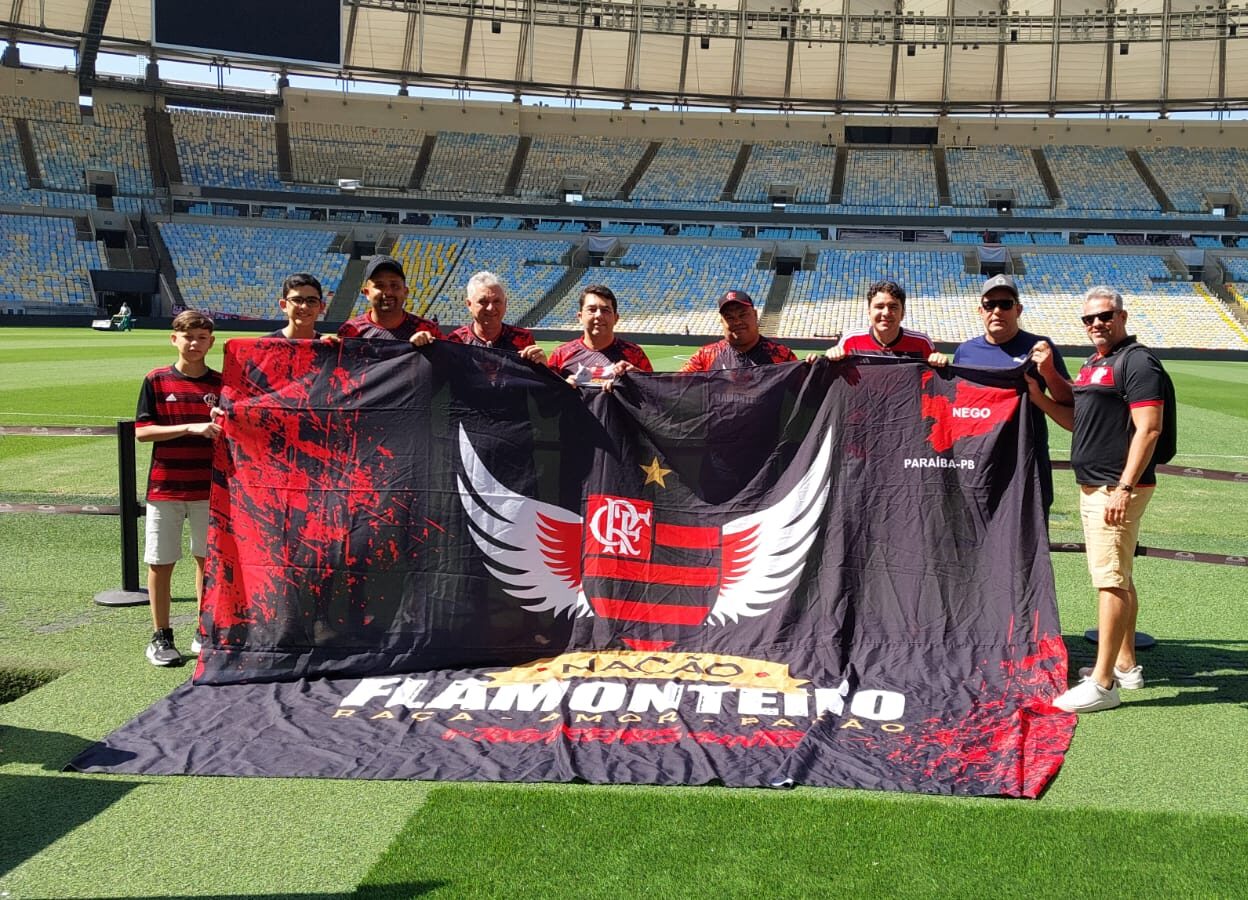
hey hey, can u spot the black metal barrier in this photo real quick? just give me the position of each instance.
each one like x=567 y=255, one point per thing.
x=129 y=510
x=130 y=593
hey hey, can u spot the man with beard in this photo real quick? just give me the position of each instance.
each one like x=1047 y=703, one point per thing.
x=385 y=286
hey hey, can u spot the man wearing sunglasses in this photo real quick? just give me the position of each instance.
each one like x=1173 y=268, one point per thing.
x=1004 y=345
x=1116 y=421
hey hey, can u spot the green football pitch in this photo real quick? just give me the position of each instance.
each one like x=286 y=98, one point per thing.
x=1152 y=800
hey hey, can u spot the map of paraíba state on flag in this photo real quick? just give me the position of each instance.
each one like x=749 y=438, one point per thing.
x=449 y=564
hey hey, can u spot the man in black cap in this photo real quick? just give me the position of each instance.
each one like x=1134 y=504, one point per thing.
x=385 y=286
x=742 y=345
x=1004 y=345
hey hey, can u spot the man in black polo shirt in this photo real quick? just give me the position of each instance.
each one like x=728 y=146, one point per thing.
x=1116 y=421
x=742 y=345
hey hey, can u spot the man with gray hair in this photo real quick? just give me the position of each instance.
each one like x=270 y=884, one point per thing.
x=487 y=304
x=1119 y=405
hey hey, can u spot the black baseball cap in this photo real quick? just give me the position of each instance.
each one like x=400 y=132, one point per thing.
x=1000 y=281
x=735 y=297
x=383 y=262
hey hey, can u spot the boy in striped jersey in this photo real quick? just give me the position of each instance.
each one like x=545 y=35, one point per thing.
x=174 y=413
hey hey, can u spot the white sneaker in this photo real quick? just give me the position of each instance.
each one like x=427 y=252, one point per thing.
x=1088 y=696
x=195 y=647
x=1130 y=680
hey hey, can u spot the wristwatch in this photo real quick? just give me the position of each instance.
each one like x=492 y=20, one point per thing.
x=1121 y=486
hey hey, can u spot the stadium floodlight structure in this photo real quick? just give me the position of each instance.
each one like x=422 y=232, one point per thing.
x=883 y=56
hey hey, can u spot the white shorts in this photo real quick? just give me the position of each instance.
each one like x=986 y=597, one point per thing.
x=164 y=530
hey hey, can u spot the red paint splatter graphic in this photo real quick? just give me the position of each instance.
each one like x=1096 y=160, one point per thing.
x=300 y=526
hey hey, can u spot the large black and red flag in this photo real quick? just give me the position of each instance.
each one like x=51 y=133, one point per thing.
x=448 y=564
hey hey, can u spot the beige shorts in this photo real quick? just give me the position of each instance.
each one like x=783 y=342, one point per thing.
x=163 y=530
x=1111 y=548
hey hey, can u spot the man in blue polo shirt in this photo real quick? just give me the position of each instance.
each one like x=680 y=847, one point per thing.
x=1004 y=345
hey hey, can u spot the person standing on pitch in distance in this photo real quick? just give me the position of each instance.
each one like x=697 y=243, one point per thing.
x=1119 y=406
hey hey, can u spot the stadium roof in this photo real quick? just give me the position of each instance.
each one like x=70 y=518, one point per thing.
x=1044 y=56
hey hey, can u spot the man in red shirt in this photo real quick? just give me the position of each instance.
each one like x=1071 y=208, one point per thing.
x=886 y=307
x=742 y=345
x=598 y=356
x=487 y=304
x=385 y=286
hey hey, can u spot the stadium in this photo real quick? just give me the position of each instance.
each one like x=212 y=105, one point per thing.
x=672 y=151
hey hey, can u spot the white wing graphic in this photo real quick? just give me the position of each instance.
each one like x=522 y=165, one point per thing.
x=532 y=548
x=764 y=553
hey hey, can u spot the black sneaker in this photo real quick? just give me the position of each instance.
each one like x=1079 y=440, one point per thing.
x=161 y=652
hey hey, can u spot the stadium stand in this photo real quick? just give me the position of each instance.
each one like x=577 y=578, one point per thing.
x=972 y=172
x=665 y=288
x=1098 y=178
x=1163 y=312
x=527 y=268
x=470 y=164
x=686 y=171
x=115 y=143
x=1187 y=173
x=807 y=165
x=226 y=149
x=664 y=283
x=238 y=270
x=879 y=178
x=605 y=162
x=45 y=263
x=319 y=150
x=832 y=297
x=39 y=109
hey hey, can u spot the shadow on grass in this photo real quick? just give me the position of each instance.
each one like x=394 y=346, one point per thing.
x=1202 y=671
x=39 y=810
x=367 y=892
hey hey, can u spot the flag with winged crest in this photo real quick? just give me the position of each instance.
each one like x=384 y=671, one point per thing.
x=450 y=564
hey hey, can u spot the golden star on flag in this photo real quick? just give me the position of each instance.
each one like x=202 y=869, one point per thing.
x=655 y=472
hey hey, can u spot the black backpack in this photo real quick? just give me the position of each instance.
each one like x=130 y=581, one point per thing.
x=1167 y=442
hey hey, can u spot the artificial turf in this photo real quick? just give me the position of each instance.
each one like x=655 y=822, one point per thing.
x=1152 y=800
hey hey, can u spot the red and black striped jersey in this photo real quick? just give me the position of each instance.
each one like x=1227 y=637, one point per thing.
x=574 y=358
x=513 y=338
x=182 y=467
x=722 y=355
x=909 y=343
x=364 y=327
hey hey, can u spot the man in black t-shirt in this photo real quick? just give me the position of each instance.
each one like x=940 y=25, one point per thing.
x=1117 y=418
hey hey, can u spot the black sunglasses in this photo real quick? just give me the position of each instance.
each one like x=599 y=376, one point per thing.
x=1002 y=303
x=1104 y=315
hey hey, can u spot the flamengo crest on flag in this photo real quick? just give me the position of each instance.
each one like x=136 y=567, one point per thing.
x=544 y=553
